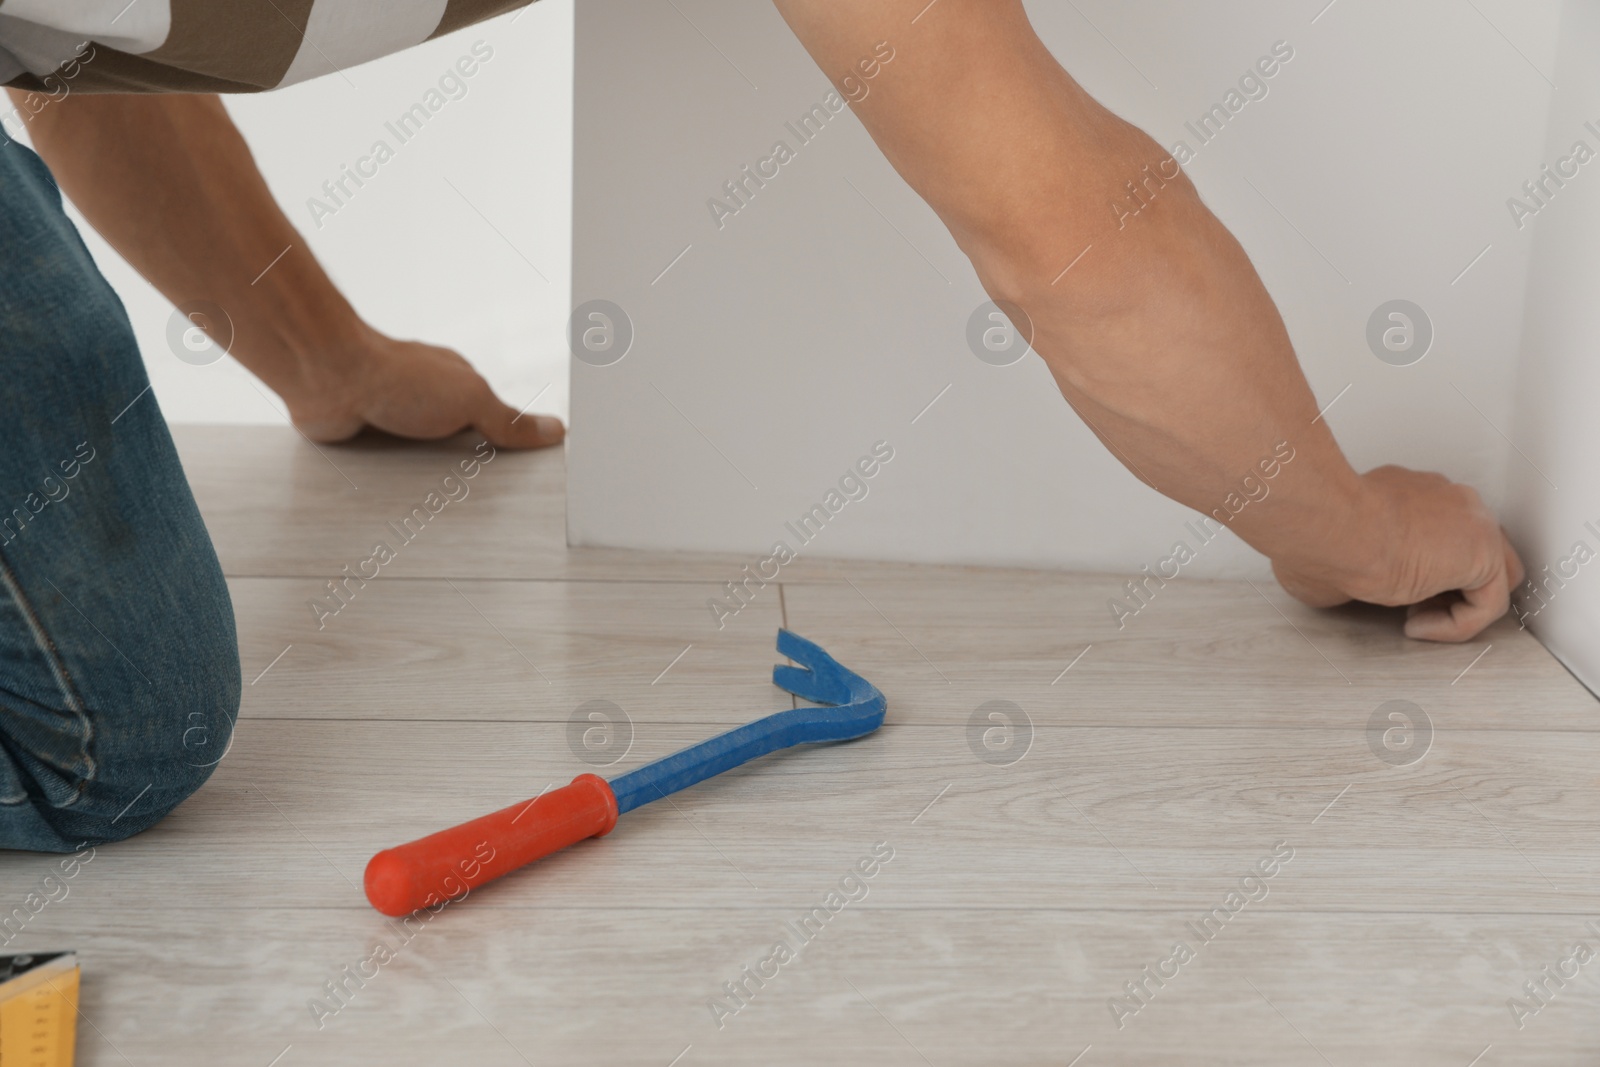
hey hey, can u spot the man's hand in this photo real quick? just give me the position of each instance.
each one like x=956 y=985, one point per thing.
x=1144 y=307
x=1428 y=543
x=185 y=205
x=409 y=389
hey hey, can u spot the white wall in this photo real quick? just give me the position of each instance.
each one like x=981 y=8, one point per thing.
x=1554 y=477
x=831 y=310
x=412 y=256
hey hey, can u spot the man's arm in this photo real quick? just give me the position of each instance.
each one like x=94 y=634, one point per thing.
x=168 y=181
x=1161 y=336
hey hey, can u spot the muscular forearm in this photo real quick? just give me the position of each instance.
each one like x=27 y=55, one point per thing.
x=168 y=181
x=1161 y=335
x=1154 y=323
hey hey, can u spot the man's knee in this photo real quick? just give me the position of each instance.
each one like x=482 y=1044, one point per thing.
x=147 y=752
x=158 y=752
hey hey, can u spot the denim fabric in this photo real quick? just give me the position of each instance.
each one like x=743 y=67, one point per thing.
x=119 y=668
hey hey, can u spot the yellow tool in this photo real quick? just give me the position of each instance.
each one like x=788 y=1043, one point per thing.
x=38 y=1009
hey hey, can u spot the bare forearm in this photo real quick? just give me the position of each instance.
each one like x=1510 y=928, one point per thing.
x=1172 y=351
x=1160 y=335
x=168 y=182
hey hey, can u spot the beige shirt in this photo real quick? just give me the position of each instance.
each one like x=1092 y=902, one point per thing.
x=211 y=46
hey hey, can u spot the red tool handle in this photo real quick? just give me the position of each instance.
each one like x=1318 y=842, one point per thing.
x=446 y=865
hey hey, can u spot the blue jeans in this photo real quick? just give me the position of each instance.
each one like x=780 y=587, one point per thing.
x=119 y=667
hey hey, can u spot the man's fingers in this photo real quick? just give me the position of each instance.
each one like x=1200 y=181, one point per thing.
x=1461 y=618
x=505 y=427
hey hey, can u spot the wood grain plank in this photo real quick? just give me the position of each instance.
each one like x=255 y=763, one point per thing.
x=472 y=649
x=1212 y=652
x=276 y=505
x=1172 y=756
x=529 y=647
x=882 y=987
x=1090 y=818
